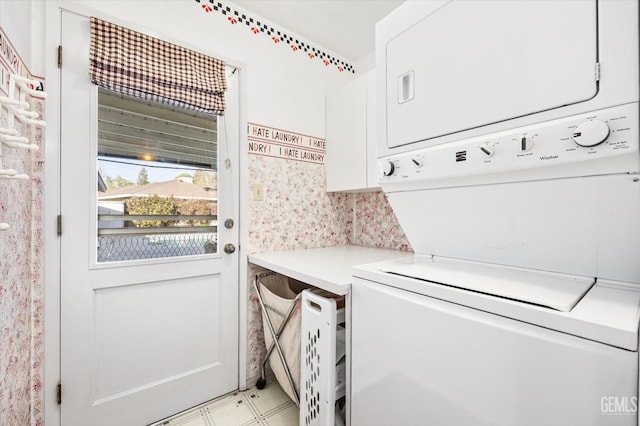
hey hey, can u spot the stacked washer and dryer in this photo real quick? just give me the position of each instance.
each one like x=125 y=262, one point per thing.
x=509 y=150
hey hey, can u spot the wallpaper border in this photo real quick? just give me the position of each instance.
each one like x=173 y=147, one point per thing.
x=277 y=36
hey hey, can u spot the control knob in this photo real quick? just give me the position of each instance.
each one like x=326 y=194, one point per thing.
x=487 y=150
x=525 y=144
x=591 y=133
x=387 y=168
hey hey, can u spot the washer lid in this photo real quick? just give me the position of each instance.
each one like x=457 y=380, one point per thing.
x=555 y=291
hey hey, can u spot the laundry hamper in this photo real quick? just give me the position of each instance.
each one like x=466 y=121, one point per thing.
x=279 y=298
x=322 y=392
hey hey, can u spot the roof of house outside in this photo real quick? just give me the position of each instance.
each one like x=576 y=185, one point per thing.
x=172 y=188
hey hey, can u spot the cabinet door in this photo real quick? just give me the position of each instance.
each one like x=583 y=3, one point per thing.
x=346 y=112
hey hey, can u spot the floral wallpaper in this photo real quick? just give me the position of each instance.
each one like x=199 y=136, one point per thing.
x=375 y=224
x=21 y=291
x=298 y=213
x=37 y=272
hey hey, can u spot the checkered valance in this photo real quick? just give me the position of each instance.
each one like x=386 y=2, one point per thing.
x=135 y=64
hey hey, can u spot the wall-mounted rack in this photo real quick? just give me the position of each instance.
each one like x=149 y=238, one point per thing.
x=18 y=108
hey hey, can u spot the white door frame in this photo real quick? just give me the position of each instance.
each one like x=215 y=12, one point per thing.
x=51 y=275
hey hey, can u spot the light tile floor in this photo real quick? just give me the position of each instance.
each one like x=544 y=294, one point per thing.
x=267 y=407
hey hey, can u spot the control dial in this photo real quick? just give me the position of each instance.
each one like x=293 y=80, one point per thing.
x=487 y=151
x=525 y=144
x=591 y=133
x=417 y=162
x=387 y=168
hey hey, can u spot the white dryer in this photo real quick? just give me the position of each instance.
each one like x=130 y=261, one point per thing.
x=509 y=150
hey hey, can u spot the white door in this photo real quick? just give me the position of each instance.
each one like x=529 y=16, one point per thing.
x=140 y=339
x=473 y=63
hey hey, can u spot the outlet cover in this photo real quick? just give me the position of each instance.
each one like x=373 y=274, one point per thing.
x=258 y=193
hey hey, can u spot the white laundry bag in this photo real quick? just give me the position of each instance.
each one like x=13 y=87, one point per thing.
x=279 y=294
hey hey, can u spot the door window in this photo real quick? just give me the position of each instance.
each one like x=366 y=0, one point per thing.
x=157 y=180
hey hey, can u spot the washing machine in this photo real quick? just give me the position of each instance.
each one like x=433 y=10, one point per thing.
x=439 y=341
x=508 y=148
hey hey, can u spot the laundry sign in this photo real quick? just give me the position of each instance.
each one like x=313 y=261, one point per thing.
x=11 y=63
x=272 y=142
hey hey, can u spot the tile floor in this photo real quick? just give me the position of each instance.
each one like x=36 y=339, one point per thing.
x=267 y=407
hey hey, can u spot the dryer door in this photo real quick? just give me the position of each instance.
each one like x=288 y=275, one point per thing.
x=473 y=63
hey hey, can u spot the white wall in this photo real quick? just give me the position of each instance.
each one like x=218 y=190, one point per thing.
x=285 y=88
x=23 y=22
x=15 y=20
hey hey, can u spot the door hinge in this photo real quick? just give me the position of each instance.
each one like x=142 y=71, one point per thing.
x=59 y=56
x=59 y=225
x=59 y=393
x=597 y=71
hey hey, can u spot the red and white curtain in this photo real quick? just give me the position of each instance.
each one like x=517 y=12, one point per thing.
x=134 y=64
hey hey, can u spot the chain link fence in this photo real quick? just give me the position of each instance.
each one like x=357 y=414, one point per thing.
x=114 y=248
x=120 y=239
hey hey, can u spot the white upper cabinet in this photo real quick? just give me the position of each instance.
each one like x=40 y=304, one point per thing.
x=351 y=142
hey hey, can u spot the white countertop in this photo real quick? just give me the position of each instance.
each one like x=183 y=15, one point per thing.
x=327 y=268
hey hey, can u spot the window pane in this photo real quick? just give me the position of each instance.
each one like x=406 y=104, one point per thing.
x=157 y=180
